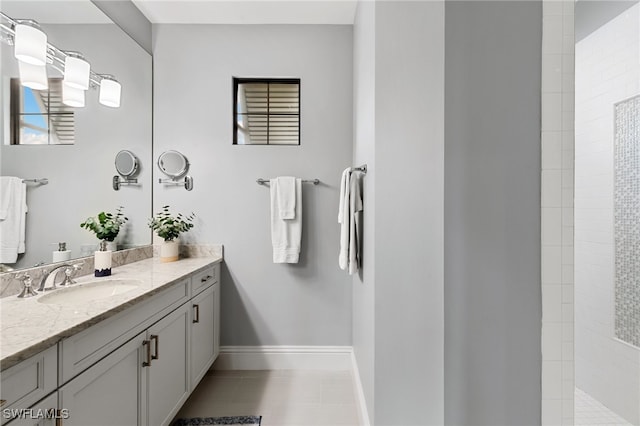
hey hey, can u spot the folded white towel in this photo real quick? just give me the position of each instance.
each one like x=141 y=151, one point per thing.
x=286 y=234
x=13 y=196
x=355 y=223
x=343 y=219
x=285 y=189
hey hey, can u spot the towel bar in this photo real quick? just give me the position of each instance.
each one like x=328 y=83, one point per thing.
x=261 y=181
x=362 y=169
x=41 y=181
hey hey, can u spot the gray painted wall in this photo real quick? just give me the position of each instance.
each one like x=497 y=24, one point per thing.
x=129 y=18
x=262 y=303
x=492 y=213
x=364 y=74
x=409 y=146
x=80 y=174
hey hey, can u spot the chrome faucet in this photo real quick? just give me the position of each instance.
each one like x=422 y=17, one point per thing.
x=68 y=272
x=27 y=289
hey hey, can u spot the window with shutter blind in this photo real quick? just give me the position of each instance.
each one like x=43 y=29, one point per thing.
x=266 y=111
x=38 y=117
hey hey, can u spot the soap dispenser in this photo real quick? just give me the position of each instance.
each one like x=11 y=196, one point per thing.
x=102 y=261
x=62 y=254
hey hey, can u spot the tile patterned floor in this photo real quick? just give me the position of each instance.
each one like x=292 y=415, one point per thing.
x=281 y=397
x=590 y=412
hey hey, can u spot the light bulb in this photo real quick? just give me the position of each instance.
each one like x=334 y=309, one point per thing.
x=72 y=96
x=110 y=90
x=30 y=43
x=33 y=76
x=76 y=71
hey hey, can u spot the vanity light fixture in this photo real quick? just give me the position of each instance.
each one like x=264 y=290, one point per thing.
x=72 y=96
x=33 y=76
x=30 y=42
x=32 y=49
x=110 y=90
x=76 y=71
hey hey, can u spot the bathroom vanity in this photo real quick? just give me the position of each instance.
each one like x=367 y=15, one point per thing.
x=131 y=357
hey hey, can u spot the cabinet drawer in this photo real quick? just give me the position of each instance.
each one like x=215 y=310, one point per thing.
x=84 y=349
x=204 y=279
x=44 y=413
x=31 y=380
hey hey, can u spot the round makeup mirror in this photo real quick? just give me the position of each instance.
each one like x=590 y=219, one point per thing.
x=173 y=164
x=126 y=163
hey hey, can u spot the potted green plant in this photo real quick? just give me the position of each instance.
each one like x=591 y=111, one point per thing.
x=169 y=228
x=106 y=226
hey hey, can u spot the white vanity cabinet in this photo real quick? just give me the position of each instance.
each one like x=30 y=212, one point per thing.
x=167 y=375
x=205 y=324
x=108 y=393
x=24 y=384
x=135 y=368
x=144 y=382
x=44 y=413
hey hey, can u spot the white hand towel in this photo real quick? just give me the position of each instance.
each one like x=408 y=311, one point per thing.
x=343 y=219
x=12 y=225
x=285 y=188
x=355 y=225
x=286 y=234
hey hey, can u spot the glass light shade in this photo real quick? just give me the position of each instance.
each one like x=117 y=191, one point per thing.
x=72 y=96
x=76 y=71
x=110 y=90
x=30 y=43
x=33 y=76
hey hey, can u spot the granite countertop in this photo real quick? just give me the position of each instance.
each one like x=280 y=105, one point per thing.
x=28 y=327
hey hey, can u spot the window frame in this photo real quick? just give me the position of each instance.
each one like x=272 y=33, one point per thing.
x=236 y=81
x=16 y=113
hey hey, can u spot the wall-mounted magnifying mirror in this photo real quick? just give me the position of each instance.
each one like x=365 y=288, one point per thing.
x=126 y=163
x=175 y=165
x=127 y=166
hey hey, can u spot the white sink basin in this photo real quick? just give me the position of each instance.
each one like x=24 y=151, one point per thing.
x=89 y=291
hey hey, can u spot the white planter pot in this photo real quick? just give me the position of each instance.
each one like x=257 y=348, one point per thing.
x=102 y=263
x=169 y=251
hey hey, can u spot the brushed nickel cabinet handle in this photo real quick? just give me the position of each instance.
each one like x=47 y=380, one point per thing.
x=155 y=337
x=196 y=316
x=147 y=343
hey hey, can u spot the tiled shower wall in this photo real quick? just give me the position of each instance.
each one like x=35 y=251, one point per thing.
x=607 y=73
x=557 y=212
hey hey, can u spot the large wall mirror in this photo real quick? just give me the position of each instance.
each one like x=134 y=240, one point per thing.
x=78 y=164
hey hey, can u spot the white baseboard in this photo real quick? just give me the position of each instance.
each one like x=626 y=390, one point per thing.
x=363 y=413
x=330 y=358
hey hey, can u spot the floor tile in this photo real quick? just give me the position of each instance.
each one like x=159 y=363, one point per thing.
x=281 y=397
x=591 y=412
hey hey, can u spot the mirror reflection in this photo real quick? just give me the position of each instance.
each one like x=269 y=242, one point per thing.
x=126 y=163
x=173 y=164
x=79 y=169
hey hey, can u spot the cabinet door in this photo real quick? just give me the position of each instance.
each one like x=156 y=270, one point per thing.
x=168 y=378
x=216 y=320
x=43 y=413
x=202 y=334
x=107 y=394
x=28 y=382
